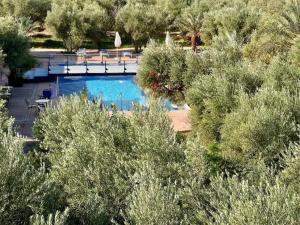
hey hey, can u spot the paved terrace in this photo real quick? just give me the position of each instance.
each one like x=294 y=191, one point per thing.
x=93 y=63
x=18 y=109
x=24 y=118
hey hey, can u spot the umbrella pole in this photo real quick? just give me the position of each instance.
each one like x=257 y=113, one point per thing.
x=118 y=55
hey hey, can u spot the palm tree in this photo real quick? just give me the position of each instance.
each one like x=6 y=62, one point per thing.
x=190 y=22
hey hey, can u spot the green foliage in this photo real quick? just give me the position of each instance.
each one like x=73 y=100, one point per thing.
x=64 y=21
x=261 y=127
x=239 y=165
x=5 y=122
x=281 y=75
x=57 y=219
x=142 y=20
x=290 y=175
x=213 y=96
x=172 y=10
x=104 y=151
x=22 y=186
x=236 y=201
x=97 y=21
x=267 y=41
x=35 y=10
x=191 y=19
x=162 y=70
x=153 y=202
x=72 y=21
x=294 y=52
x=278 y=28
x=237 y=18
x=15 y=44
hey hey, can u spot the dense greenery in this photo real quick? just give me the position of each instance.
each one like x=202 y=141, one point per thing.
x=243 y=109
x=15 y=46
x=34 y=10
x=99 y=168
x=73 y=21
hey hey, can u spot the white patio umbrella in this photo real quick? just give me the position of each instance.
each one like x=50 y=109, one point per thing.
x=118 y=43
x=168 y=39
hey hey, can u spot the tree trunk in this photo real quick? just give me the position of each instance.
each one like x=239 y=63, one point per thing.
x=136 y=48
x=194 y=41
x=15 y=79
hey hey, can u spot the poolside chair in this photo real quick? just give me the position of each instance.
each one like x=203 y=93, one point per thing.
x=127 y=54
x=31 y=107
x=104 y=53
x=81 y=52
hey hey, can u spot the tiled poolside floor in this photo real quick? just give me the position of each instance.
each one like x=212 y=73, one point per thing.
x=24 y=118
x=17 y=107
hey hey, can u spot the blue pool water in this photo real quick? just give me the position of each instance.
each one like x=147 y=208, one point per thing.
x=119 y=90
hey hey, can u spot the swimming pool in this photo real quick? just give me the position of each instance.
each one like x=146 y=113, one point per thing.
x=121 y=91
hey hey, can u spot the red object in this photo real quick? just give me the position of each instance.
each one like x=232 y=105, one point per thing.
x=155 y=86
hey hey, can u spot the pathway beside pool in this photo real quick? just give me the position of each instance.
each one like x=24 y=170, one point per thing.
x=18 y=109
x=180 y=120
x=24 y=120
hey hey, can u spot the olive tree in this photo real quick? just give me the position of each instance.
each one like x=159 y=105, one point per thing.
x=53 y=219
x=97 y=21
x=236 y=201
x=64 y=20
x=104 y=151
x=290 y=175
x=35 y=10
x=262 y=127
x=162 y=70
x=214 y=95
x=75 y=21
x=22 y=186
x=15 y=46
x=152 y=201
x=277 y=31
x=142 y=20
x=172 y=10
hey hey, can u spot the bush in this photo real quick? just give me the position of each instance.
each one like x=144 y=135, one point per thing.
x=23 y=186
x=213 y=96
x=104 y=151
x=152 y=201
x=161 y=70
x=261 y=127
x=237 y=201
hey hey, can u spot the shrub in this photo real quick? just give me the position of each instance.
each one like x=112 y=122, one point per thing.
x=262 y=126
x=22 y=186
x=161 y=70
x=103 y=151
x=213 y=96
x=236 y=201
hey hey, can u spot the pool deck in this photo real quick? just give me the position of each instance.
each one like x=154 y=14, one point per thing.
x=24 y=118
x=73 y=64
x=17 y=107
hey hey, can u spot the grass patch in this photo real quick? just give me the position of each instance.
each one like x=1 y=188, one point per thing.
x=106 y=42
x=52 y=42
x=46 y=42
